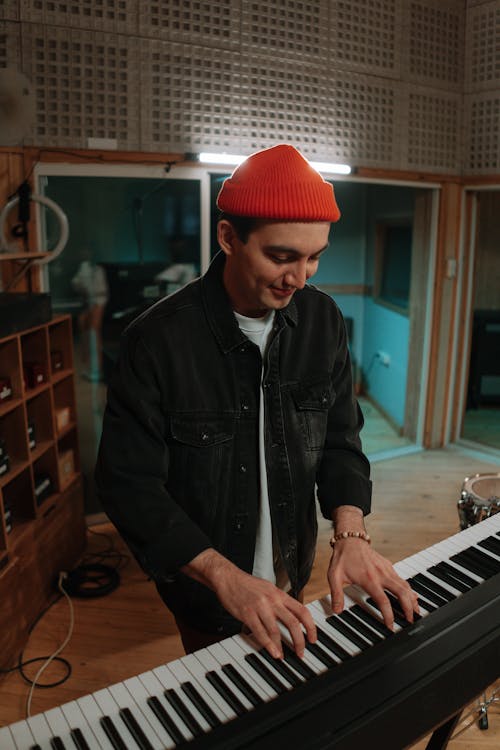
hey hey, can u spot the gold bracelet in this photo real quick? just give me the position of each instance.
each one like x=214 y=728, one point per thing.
x=347 y=534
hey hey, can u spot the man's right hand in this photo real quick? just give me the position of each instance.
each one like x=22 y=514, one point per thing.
x=258 y=604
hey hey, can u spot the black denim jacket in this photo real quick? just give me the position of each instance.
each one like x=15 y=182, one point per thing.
x=177 y=470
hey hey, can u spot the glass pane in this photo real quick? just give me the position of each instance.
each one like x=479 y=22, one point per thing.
x=131 y=242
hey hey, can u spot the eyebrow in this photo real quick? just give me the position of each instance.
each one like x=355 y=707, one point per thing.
x=291 y=250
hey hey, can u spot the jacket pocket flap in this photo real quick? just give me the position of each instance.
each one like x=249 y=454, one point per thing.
x=201 y=432
x=317 y=396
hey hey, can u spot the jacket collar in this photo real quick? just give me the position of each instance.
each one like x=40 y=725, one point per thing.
x=219 y=311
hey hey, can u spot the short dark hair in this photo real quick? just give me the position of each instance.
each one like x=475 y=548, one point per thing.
x=243 y=225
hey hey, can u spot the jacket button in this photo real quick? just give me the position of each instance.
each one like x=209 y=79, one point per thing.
x=244 y=407
x=243 y=468
x=204 y=435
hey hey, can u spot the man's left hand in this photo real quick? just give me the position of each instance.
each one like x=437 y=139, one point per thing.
x=355 y=562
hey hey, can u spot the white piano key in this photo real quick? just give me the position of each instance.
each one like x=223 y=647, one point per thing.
x=93 y=713
x=6 y=739
x=309 y=659
x=230 y=651
x=59 y=726
x=426 y=562
x=76 y=720
x=198 y=665
x=169 y=682
x=241 y=642
x=22 y=735
x=40 y=730
x=140 y=695
x=155 y=689
x=123 y=699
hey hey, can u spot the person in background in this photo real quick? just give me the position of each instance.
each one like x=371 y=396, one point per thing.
x=230 y=410
x=91 y=285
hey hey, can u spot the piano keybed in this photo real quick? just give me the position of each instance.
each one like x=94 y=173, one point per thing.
x=188 y=698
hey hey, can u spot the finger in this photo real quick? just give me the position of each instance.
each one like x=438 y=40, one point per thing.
x=337 y=591
x=295 y=629
x=265 y=635
x=272 y=635
x=383 y=604
x=407 y=598
x=302 y=614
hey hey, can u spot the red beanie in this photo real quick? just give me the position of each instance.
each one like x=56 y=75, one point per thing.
x=278 y=183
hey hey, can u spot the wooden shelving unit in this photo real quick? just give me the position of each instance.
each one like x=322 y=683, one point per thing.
x=42 y=527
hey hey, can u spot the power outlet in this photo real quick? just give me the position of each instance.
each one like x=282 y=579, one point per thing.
x=384 y=358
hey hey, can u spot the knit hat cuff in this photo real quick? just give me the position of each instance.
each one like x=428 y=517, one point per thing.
x=308 y=201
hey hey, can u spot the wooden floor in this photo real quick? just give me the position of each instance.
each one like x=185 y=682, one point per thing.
x=130 y=631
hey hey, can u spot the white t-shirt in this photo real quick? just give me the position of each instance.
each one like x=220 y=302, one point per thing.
x=267 y=564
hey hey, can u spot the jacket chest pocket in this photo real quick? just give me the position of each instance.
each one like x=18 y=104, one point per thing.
x=200 y=453
x=312 y=403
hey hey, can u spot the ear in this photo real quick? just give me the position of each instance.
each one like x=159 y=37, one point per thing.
x=226 y=236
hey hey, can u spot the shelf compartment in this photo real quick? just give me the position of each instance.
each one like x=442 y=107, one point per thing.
x=13 y=442
x=68 y=459
x=61 y=350
x=64 y=405
x=35 y=359
x=39 y=411
x=11 y=381
x=18 y=501
x=45 y=477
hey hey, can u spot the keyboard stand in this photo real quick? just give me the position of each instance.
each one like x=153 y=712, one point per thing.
x=442 y=735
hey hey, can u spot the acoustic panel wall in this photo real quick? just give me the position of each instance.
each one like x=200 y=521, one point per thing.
x=384 y=83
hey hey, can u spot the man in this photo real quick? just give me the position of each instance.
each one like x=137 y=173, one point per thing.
x=232 y=401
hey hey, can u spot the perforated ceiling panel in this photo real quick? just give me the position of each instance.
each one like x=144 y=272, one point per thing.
x=86 y=84
x=118 y=16
x=482 y=128
x=214 y=24
x=365 y=35
x=187 y=97
x=434 y=43
x=363 y=120
x=9 y=9
x=483 y=47
x=297 y=29
x=434 y=127
x=10 y=45
x=277 y=103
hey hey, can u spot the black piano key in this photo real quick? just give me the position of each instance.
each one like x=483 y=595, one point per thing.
x=401 y=621
x=280 y=666
x=265 y=673
x=443 y=575
x=242 y=684
x=426 y=605
x=335 y=648
x=321 y=655
x=434 y=586
x=183 y=711
x=297 y=663
x=398 y=609
x=165 y=720
x=350 y=634
x=135 y=730
x=491 y=544
x=491 y=562
x=35 y=747
x=459 y=574
x=57 y=744
x=372 y=621
x=360 y=626
x=231 y=699
x=201 y=704
x=427 y=593
x=79 y=740
x=112 y=733
x=468 y=558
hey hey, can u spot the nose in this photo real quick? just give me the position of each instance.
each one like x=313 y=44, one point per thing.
x=298 y=276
